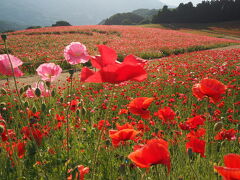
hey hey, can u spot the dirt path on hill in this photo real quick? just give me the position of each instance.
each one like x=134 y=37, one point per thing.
x=30 y=80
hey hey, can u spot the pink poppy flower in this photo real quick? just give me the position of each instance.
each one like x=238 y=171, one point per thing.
x=76 y=53
x=30 y=93
x=49 y=71
x=5 y=66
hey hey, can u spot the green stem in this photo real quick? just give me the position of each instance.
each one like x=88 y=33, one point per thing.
x=14 y=78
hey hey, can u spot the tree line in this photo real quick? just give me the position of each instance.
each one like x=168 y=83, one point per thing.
x=204 y=12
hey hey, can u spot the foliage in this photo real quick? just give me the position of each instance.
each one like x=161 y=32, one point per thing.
x=61 y=23
x=34 y=27
x=207 y=11
x=123 y=19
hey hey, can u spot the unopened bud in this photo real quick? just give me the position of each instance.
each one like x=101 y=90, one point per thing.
x=218 y=126
x=190 y=153
x=3 y=91
x=2 y=129
x=38 y=92
x=53 y=93
x=48 y=84
x=34 y=109
x=43 y=107
x=4 y=37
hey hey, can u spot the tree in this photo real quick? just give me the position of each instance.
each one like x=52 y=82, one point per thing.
x=62 y=23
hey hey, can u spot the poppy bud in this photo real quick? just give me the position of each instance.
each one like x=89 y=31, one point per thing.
x=26 y=104
x=77 y=112
x=219 y=147
x=43 y=107
x=71 y=72
x=4 y=37
x=48 y=84
x=34 y=109
x=61 y=100
x=218 y=126
x=38 y=92
x=83 y=111
x=53 y=93
x=3 y=91
x=190 y=153
x=2 y=104
x=26 y=87
x=2 y=128
x=21 y=90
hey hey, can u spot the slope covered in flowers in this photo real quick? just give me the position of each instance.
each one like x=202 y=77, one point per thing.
x=46 y=44
x=112 y=131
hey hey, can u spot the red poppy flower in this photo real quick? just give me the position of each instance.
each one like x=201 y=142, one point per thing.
x=231 y=171
x=154 y=152
x=112 y=71
x=31 y=132
x=166 y=115
x=122 y=135
x=73 y=105
x=139 y=106
x=196 y=134
x=197 y=146
x=226 y=134
x=102 y=124
x=21 y=149
x=81 y=171
x=192 y=123
x=211 y=88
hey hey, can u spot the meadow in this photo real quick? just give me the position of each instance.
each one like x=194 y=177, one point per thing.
x=36 y=46
x=171 y=118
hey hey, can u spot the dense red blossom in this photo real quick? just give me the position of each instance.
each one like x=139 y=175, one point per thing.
x=192 y=123
x=123 y=133
x=196 y=134
x=81 y=171
x=197 y=146
x=211 y=88
x=139 y=106
x=226 y=134
x=154 y=152
x=32 y=133
x=231 y=170
x=167 y=115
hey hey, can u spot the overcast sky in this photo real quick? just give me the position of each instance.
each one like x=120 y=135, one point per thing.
x=177 y=2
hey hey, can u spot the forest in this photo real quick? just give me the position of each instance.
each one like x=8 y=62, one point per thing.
x=204 y=12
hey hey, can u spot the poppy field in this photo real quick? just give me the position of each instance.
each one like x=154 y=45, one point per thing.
x=35 y=46
x=171 y=118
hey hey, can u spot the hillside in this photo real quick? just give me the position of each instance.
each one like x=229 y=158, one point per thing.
x=139 y=16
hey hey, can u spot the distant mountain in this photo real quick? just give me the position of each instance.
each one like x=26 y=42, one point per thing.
x=76 y=12
x=124 y=19
x=10 y=26
x=139 y=16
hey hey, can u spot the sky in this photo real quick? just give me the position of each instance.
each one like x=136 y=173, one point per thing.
x=177 y=2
